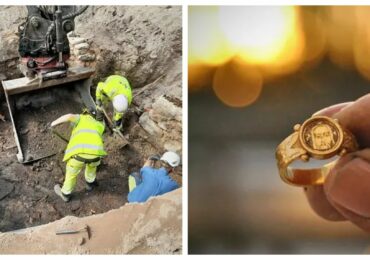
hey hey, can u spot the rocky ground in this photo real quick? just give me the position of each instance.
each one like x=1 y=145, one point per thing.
x=145 y=46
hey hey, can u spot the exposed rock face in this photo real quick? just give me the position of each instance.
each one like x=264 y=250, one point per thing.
x=153 y=227
x=143 y=43
x=163 y=121
x=81 y=53
x=11 y=17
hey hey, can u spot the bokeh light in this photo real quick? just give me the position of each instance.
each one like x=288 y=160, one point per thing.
x=200 y=76
x=260 y=34
x=207 y=43
x=315 y=30
x=262 y=42
x=362 y=41
x=341 y=35
x=237 y=86
x=274 y=41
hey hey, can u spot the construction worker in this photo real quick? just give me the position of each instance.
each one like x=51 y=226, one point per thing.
x=115 y=89
x=151 y=181
x=85 y=148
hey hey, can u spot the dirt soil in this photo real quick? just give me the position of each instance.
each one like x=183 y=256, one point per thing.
x=28 y=198
x=145 y=44
x=37 y=111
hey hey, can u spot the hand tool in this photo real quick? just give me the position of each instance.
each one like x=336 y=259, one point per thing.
x=66 y=232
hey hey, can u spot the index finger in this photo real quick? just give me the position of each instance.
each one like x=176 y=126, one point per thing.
x=332 y=110
x=315 y=194
x=355 y=118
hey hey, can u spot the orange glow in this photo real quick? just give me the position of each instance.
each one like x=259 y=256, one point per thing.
x=199 y=76
x=261 y=34
x=207 y=44
x=237 y=86
x=315 y=31
x=266 y=43
x=341 y=34
x=362 y=41
x=269 y=38
x=289 y=59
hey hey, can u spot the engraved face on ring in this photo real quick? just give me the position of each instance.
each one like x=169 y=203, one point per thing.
x=321 y=135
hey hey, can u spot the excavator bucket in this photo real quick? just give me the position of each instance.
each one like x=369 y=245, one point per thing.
x=34 y=104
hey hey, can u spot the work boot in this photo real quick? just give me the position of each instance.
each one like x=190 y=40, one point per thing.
x=59 y=192
x=92 y=185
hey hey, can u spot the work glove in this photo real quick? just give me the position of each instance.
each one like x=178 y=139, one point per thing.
x=99 y=104
x=99 y=114
x=116 y=130
x=117 y=125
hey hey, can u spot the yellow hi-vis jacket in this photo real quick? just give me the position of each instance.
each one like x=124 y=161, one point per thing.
x=86 y=138
x=114 y=85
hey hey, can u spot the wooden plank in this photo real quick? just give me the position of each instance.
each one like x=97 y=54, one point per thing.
x=10 y=107
x=21 y=85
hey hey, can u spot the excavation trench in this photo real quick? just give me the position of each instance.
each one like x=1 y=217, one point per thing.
x=26 y=190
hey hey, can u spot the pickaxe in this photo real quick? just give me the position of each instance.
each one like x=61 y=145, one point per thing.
x=65 y=232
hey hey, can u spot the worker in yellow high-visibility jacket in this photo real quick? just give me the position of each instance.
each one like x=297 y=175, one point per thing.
x=115 y=89
x=85 y=148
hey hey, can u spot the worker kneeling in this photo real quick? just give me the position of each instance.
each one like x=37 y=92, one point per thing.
x=151 y=181
x=115 y=89
x=85 y=148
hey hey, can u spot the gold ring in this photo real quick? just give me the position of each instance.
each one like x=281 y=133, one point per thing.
x=319 y=137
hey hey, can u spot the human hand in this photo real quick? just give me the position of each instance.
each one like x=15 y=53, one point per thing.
x=149 y=163
x=116 y=130
x=98 y=104
x=117 y=126
x=345 y=194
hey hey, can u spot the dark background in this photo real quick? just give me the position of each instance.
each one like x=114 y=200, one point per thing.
x=237 y=201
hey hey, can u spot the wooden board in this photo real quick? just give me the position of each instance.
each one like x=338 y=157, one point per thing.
x=21 y=85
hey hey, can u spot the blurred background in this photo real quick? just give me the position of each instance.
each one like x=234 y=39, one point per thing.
x=254 y=72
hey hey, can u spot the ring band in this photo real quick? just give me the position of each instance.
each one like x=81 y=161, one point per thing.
x=319 y=137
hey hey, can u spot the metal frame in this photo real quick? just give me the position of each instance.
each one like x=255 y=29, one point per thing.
x=80 y=76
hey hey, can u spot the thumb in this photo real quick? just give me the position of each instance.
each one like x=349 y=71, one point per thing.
x=347 y=187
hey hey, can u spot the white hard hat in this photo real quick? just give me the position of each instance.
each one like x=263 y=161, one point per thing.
x=171 y=158
x=120 y=103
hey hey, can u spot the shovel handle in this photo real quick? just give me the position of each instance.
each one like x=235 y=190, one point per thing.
x=62 y=232
x=67 y=232
x=107 y=119
x=59 y=135
x=110 y=126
